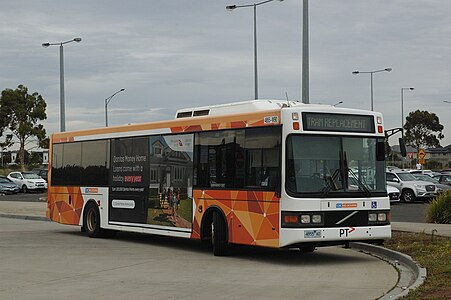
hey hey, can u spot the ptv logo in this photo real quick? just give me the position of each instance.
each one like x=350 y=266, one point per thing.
x=346 y=231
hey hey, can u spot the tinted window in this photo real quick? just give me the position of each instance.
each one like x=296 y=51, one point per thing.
x=80 y=163
x=235 y=159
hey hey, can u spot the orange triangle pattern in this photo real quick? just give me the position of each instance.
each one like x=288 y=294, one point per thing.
x=252 y=216
x=58 y=207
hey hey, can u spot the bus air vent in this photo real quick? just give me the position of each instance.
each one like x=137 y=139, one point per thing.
x=184 y=114
x=198 y=113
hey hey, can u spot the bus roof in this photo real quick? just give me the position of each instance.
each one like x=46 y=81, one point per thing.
x=253 y=106
x=220 y=116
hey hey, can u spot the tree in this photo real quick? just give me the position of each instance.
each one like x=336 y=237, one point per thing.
x=20 y=114
x=423 y=129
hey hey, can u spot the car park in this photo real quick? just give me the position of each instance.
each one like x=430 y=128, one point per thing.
x=7 y=186
x=28 y=181
x=440 y=187
x=393 y=193
x=411 y=189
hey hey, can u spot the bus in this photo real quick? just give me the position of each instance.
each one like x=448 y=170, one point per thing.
x=268 y=173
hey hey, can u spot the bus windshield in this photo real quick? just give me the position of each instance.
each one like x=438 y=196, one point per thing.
x=331 y=166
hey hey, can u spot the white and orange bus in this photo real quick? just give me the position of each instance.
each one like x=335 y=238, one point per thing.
x=268 y=173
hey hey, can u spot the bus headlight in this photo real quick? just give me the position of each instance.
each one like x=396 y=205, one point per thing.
x=372 y=217
x=379 y=217
x=382 y=217
x=316 y=219
x=305 y=219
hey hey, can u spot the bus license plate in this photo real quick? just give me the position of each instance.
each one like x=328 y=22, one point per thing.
x=312 y=234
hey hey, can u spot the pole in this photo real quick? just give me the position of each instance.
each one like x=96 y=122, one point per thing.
x=255 y=52
x=402 y=123
x=305 y=54
x=372 y=108
x=62 y=102
x=106 y=113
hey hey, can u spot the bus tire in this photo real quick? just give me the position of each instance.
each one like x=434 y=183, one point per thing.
x=307 y=249
x=91 y=221
x=219 y=235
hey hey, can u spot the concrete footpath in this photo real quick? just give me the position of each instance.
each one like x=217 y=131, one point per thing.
x=36 y=211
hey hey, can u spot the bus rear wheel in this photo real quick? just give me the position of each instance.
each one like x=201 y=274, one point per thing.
x=91 y=221
x=219 y=235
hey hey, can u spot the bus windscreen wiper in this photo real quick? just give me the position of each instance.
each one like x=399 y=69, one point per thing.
x=361 y=185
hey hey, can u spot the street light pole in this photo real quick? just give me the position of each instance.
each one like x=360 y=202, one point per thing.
x=446 y=101
x=107 y=100
x=402 y=103
x=371 y=73
x=402 y=115
x=305 y=54
x=232 y=7
x=62 y=99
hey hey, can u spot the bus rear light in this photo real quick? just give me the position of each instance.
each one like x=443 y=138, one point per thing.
x=290 y=219
x=296 y=125
x=295 y=116
x=380 y=129
x=379 y=120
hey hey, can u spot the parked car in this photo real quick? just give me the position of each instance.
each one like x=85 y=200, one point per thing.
x=7 y=186
x=440 y=187
x=444 y=178
x=411 y=188
x=393 y=193
x=41 y=172
x=28 y=181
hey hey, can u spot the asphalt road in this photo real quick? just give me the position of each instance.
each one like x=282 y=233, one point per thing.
x=45 y=260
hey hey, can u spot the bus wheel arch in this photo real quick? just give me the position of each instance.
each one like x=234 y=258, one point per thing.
x=214 y=231
x=92 y=221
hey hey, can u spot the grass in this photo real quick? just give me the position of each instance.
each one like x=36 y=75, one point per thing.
x=431 y=252
x=156 y=216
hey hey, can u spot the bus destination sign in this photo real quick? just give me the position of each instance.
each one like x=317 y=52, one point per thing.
x=338 y=122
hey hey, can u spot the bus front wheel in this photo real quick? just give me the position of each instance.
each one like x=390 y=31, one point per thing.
x=219 y=235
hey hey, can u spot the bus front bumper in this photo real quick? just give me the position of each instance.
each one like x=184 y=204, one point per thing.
x=332 y=236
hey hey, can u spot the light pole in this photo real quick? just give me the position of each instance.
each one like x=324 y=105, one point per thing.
x=232 y=7
x=447 y=101
x=107 y=100
x=62 y=103
x=402 y=103
x=338 y=103
x=372 y=72
x=305 y=55
x=402 y=114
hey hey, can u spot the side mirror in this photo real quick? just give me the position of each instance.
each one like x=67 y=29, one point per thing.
x=402 y=147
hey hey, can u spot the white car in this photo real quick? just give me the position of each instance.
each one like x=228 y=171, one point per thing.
x=393 y=193
x=28 y=181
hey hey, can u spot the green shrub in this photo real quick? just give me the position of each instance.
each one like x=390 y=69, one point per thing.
x=439 y=210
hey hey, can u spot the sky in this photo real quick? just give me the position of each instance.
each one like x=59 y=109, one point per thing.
x=173 y=54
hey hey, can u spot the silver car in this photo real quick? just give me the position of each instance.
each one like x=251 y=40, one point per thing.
x=410 y=187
